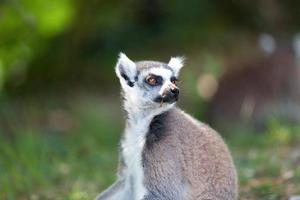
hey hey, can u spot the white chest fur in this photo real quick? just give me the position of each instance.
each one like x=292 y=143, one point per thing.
x=132 y=148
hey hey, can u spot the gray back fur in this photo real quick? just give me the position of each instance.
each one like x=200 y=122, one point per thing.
x=185 y=159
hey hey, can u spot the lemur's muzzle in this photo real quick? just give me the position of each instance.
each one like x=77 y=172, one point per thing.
x=170 y=95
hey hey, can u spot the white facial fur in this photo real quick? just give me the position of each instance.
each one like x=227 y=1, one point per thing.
x=140 y=96
x=165 y=74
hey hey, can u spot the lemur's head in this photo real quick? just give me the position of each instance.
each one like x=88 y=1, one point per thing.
x=149 y=84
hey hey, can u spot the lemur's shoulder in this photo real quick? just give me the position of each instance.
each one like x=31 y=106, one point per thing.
x=175 y=123
x=192 y=132
x=179 y=120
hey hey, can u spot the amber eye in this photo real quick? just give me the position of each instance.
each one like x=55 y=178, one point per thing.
x=151 y=80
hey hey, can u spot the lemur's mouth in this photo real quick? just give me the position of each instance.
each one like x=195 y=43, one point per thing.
x=166 y=98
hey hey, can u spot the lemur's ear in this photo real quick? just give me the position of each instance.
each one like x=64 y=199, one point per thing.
x=126 y=70
x=176 y=63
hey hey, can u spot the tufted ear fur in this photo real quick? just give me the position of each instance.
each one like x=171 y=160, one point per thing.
x=126 y=70
x=176 y=63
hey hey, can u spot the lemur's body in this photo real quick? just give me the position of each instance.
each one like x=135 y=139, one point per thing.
x=165 y=153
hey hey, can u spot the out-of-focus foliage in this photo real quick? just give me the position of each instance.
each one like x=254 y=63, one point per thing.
x=60 y=118
x=61 y=40
x=26 y=27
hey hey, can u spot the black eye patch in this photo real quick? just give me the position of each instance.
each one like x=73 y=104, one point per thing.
x=154 y=80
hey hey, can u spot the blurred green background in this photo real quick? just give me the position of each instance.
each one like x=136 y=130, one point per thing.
x=60 y=107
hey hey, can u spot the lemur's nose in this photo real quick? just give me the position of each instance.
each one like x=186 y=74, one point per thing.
x=175 y=91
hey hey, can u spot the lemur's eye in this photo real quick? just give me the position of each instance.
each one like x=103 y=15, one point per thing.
x=151 y=80
x=154 y=80
x=174 y=80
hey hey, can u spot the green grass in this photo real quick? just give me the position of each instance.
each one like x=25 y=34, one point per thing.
x=69 y=151
x=54 y=167
x=74 y=159
x=268 y=162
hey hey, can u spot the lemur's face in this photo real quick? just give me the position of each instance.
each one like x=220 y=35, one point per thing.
x=158 y=84
x=149 y=83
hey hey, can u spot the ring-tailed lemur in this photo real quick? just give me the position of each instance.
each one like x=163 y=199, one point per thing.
x=165 y=153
